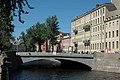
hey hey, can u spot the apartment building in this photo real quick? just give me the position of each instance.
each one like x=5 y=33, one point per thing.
x=97 y=29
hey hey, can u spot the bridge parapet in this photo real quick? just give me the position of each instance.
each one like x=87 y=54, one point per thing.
x=29 y=54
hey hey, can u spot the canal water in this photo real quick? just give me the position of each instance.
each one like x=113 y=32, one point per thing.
x=62 y=74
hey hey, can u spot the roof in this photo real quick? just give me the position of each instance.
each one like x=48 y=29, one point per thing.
x=109 y=6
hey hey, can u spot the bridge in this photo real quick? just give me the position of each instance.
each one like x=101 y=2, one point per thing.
x=109 y=62
x=37 y=58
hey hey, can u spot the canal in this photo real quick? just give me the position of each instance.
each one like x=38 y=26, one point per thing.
x=62 y=74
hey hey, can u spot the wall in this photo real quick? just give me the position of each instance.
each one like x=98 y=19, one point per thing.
x=109 y=62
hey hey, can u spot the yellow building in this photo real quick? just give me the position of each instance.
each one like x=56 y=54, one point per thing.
x=90 y=30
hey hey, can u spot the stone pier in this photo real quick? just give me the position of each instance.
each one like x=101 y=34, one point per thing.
x=109 y=62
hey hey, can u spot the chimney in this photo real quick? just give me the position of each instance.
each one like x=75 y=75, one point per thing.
x=97 y=5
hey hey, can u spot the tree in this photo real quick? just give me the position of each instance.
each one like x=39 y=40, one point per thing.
x=5 y=35
x=52 y=24
x=35 y=34
x=8 y=9
x=29 y=38
x=42 y=34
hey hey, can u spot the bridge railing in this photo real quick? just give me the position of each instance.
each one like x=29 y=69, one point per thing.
x=51 y=54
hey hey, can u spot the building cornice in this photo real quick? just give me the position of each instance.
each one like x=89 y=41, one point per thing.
x=98 y=6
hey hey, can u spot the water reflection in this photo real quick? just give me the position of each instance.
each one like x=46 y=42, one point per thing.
x=59 y=74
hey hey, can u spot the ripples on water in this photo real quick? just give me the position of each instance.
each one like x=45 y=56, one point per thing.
x=59 y=74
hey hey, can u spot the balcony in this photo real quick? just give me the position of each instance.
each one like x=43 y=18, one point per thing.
x=75 y=32
x=86 y=42
x=86 y=28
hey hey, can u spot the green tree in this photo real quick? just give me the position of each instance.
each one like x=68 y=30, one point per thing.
x=41 y=34
x=35 y=34
x=9 y=9
x=5 y=35
x=52 y=24
x=29 y=37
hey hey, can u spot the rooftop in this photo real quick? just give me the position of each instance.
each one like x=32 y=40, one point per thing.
x=110 y=6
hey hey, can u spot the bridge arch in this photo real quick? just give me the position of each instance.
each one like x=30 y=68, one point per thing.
x=58 y=63
x=67 y=63
x=46 y=63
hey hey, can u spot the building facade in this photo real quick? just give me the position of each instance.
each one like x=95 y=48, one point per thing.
x=97 y=29
x=66 y=44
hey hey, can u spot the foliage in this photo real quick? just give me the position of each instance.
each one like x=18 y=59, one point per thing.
x=52 y=23
x=5 y=35
x=35 y=34
x=40 y=33
x=8 y=9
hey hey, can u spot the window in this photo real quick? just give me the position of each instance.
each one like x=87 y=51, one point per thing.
x=106 y=44
x=112 y=33
x=98 y=20
x=98 y=36
x=109 y=34
x=98 y=28
x=113 y=23
x=117 y=44
x=103 y=18
x=116 y=33
x=100 y=45
x=110 y=24
x=117 y=23
x=103 y=10
x=93 y=46
x=98 y=13
x=106 y=35
x=103 y=27
x=94 y=14
x=97 y=45
x=113 y=45
x=109 y=44
x=106 y=25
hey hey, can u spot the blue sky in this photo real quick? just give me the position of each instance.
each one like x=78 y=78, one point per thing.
x=65 y=10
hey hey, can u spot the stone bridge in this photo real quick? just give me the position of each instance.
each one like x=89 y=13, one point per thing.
x=29 y=58
x=99 y=61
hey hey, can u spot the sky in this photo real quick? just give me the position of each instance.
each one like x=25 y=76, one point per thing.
x=65 y=10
